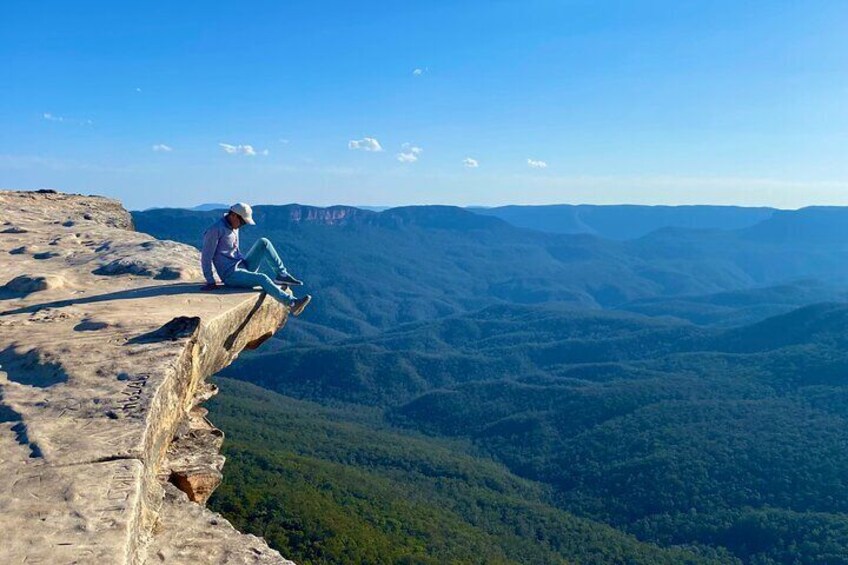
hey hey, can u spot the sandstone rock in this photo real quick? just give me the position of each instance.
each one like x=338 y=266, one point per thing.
x=99 y=383
x=193 y=460
x=190 y=535
x=161 y=260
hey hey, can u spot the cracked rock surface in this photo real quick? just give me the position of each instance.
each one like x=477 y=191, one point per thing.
x=105 y=342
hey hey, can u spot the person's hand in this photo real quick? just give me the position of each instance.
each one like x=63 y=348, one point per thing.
x=208 y=287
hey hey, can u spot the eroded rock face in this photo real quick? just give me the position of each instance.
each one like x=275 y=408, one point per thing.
x=161 y=260
x=105 y=342
x=194 y=462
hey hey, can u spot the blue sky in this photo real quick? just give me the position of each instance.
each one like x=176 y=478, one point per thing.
x=603 y=102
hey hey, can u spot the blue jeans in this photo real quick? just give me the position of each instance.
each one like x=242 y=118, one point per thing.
x=258 y=268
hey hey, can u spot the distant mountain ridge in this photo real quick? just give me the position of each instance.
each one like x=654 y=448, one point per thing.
x=618 y=222
x=210 y=206
x=626 y=221
x=814 y=224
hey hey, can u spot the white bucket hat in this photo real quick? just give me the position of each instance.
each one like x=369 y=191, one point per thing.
x=244 y=211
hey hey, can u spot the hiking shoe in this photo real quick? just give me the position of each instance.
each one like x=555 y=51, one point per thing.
x=299 y=304
x=288 y=280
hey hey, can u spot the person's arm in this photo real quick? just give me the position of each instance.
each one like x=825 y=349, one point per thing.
x=210 y=244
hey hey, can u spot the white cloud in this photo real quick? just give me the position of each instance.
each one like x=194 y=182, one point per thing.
x=418 y=72
x=535 y=164
x=470 y=163
x=247 y=150
x=409 y=153
x=54 y=118
x=161 y=147
x=365 y=144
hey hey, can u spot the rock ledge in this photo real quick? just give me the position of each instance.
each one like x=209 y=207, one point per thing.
x=105 y=345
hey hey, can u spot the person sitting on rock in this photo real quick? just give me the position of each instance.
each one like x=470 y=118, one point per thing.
x=261 y=266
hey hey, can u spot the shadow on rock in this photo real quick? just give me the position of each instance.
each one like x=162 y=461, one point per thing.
x=129 y=294
x=7 y=414
x=178 y=328
x=31 y=369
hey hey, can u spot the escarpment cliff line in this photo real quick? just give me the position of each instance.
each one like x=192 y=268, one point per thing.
x=105 y=345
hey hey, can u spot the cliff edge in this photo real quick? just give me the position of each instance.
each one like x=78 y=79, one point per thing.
x=105 y=345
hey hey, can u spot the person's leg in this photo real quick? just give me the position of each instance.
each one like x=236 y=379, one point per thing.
x=248 y=279
x=263 y=258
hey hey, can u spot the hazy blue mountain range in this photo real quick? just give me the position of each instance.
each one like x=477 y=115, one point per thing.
x=199 y=208
x=626 y=221
x=210 y=206
x=736 y=307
